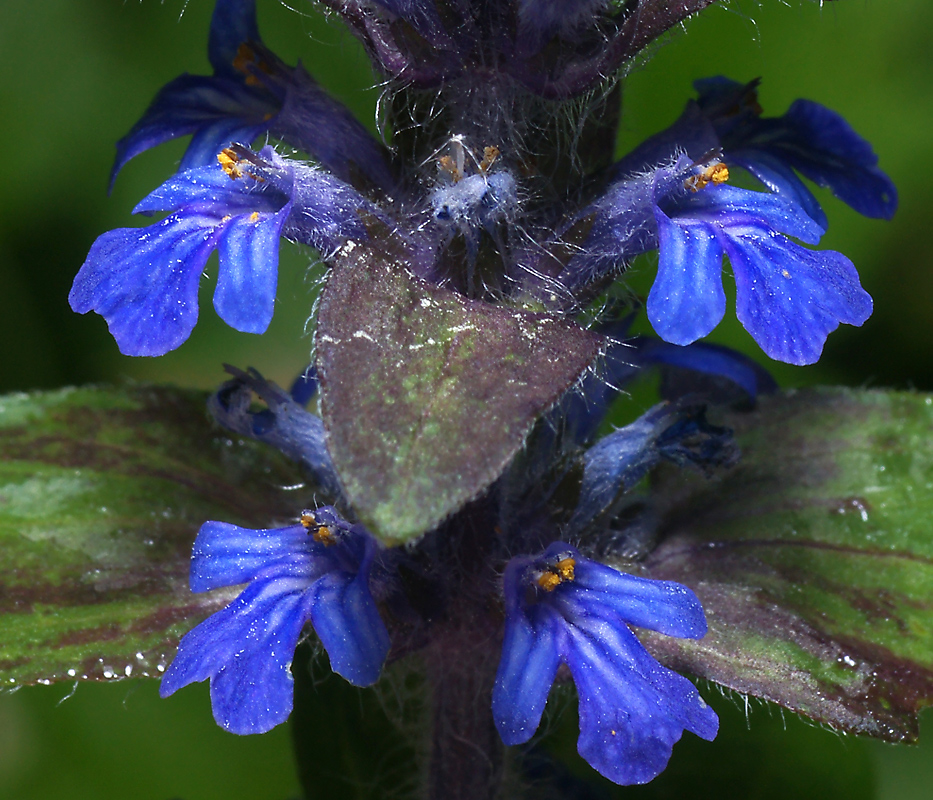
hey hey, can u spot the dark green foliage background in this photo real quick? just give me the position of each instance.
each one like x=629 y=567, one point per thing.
x=76 y=74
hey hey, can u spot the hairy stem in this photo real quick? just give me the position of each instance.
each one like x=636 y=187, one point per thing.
x=466 y=751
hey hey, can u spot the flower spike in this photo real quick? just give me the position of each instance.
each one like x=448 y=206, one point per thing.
x=317 y=570
x=564 y=608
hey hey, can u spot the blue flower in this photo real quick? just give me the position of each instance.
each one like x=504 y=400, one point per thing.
x=673 y=432
x=283 y=424
x=252 y=92
x=144 y=281
x=787 y=297
x=563 y=608
x=317 y=570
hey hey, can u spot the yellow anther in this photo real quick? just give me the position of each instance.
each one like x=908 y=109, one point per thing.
x=490 y=154
x=554 y=576
x=324 y=535
x=715 y=173
x=245 y=55
x=449 y=166
x=254 y=217
x=247 y=62
x=230 y=163
x=565 y=568
x=549 y=581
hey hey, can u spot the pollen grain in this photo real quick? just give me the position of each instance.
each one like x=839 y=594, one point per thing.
x=715 y=173
x=555 y=575
x=230 y=163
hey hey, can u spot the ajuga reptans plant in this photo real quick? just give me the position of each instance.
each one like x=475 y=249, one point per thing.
x=465 y=503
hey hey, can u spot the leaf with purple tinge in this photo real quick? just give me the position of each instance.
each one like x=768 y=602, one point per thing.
x=102 y=491
x=426 y=395
x=813 y=558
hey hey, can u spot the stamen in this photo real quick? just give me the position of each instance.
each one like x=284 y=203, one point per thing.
x=549 y=581
x=715 y=173
x=247 y=62
x=447 y=164
x=555 y=575
x=565 y=568
x=490 y=154
x=323 y=535
x=230 y=163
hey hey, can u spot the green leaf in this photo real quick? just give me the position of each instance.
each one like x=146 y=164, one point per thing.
x=426 y=396
x=102 y=491
x=813 y=558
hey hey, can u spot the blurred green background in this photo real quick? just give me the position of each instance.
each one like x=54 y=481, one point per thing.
x=76 y=74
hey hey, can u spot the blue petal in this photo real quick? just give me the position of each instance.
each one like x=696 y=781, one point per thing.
x=617 y=462
x=232 y=23
x=781 y=179
x=687 y=299
x=692 y=134
x=219 y=111
x=348 y=624
x=249 y=264
x=717 y=88
x=144 y=282
x=825 y=148
x=581 y=410
x=790 y=298
x=632 y=710
x=246 y=650
x=313 y=121
x=211 y=138
x=707 y=359
x=305 y=386
x=285 y=424
x=210 y=189
x=228 y=555
x=529 y=662
x=723 y=206
x=623 y=224
x=664 y=606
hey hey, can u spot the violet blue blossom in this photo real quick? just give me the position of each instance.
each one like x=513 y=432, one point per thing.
x=144 y=281
x=562 y=608
x=317 y=571
x=789 y=298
